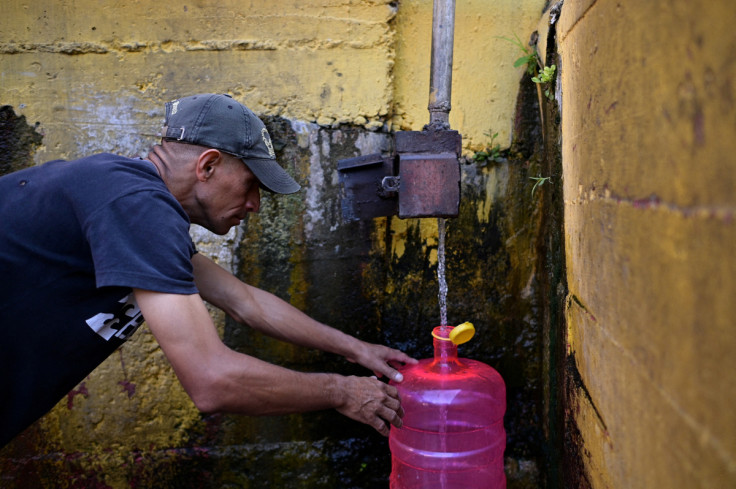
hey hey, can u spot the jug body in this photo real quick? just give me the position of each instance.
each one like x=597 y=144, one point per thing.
x=452 y=434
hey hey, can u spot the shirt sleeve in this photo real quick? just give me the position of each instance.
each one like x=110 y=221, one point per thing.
x=142 y=240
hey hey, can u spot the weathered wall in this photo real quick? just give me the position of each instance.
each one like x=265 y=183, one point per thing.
x=95 y=73
x=648 y=122
x=483 y=74
x=332 y=80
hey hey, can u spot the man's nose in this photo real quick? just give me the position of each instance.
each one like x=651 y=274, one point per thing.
x=253 y=201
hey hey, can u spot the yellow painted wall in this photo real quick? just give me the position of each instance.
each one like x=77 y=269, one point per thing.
x=484 y=81
x=96 y=72
x=648 y=123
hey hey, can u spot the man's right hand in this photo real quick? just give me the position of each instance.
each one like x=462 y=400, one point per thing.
x=370 y=401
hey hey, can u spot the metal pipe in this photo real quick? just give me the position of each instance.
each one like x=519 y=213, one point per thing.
x=440 y=79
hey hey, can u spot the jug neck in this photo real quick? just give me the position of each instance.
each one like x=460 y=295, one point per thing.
x=445 y=351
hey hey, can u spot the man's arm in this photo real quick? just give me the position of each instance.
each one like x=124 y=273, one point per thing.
x=272 y=316
x=219 y=379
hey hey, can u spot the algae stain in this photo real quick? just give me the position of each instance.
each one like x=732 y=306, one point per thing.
x=18 y=141
x=298 y=286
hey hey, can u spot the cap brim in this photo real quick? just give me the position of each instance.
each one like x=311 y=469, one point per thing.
x=272 y=176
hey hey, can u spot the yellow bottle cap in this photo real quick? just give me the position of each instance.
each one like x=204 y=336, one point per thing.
x=462 y=333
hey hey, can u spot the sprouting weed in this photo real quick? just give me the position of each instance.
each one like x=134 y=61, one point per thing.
x=539 y=182
x=545 y=78
x=491 y=152
x=529 y=58
x=533 y=65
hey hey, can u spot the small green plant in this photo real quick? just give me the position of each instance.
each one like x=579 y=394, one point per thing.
x=539 y=182
x=545 y=79
x=529 y=58
x=490 y=153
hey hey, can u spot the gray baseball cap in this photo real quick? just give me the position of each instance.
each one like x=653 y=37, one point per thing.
x=218 y=121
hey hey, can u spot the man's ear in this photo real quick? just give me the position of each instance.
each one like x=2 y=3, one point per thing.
x=207 y=163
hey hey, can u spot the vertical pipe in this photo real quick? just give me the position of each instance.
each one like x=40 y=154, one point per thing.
x=440 y=80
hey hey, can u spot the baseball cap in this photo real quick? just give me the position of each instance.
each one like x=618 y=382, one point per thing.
x=218 y=121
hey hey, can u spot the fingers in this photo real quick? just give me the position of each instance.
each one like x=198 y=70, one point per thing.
x=393 y=413
x=390 y=368
x=387 y=415
x=392 y=356
x=384 y=361
x=397 y=357
x=374 y=403
x=389 y=410
x=404 y=358
x=392 y=374
x=389 y=372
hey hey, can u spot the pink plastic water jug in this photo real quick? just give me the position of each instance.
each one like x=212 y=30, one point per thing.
x=453 y=435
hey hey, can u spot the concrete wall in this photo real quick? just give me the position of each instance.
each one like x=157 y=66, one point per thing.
x=648 y=124
x=95 y=73
x=332 y=80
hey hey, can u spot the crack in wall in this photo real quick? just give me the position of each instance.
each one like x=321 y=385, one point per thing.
x=573 y=373
x=654 y=203
x=573 y=298
x=580 y=17
x=707 y=437
x=169 y=46
x=577 y=383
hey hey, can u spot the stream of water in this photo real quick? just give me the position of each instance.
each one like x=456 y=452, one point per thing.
x=441 y=271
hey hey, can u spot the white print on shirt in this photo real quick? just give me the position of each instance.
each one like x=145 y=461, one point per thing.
x=122 y=324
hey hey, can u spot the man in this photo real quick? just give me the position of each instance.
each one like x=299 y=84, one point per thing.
x=89 y=246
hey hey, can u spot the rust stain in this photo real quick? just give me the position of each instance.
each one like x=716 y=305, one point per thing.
x=73 y=393
x=128 y=387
